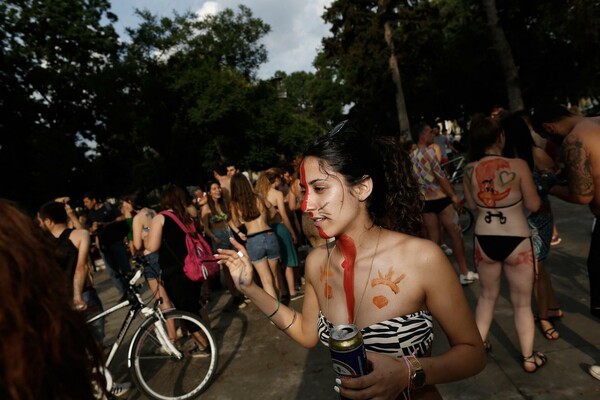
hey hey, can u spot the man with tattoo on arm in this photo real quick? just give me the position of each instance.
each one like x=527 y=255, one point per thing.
x=580 y=140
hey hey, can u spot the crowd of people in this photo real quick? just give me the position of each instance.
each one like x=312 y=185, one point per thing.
x=376 y=229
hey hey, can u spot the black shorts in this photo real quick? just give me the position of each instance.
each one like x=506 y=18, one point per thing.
x=437 y=206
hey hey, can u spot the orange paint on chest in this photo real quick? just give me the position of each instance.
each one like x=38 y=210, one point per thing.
x=325 y=273
x=328 y=291
x=380 y=301
x=388 y=280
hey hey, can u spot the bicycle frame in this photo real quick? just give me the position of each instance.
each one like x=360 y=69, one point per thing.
x=460 y=162
x=136 y=307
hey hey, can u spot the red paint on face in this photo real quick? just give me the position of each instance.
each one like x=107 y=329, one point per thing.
x=303 y=180
x=348 y=249
x=323 y=234
x=304 y=205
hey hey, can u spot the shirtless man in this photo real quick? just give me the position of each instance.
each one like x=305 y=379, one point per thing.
x=223 y=173
x=580 y=140
x=72 y=250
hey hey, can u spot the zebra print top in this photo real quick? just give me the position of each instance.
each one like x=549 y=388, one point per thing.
x=400 y=336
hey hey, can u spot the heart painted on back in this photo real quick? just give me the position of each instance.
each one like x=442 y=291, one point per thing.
x=506 y=177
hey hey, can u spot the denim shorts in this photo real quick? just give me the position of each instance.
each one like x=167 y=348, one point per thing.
x=262 y=245
x=223 y=236
x=152 y=270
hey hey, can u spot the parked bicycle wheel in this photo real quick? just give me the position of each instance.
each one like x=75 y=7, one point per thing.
x=161 y=375
x=466 y=219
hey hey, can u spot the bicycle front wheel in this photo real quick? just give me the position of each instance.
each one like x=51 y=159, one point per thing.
x=466 y=219
x=161 y=375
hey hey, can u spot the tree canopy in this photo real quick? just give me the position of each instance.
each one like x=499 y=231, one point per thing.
x=81 y=109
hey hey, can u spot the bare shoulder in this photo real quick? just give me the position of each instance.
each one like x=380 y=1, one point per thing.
x=586 y=130
x=318 y=254
x=518 y=164
x=428 y=266
x=159 y=219
x=421 y=254
x=315 y=262
x=79 y=235
x=278 y=194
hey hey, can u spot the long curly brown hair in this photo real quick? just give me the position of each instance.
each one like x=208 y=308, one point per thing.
x=395 y=202
x=211 y=202
x=47 y=351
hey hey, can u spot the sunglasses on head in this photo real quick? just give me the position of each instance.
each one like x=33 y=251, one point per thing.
x=339 y=127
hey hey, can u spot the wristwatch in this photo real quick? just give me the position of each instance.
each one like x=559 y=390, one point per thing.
x=417 y=374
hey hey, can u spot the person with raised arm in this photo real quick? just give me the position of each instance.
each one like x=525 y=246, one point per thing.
x=375 y=274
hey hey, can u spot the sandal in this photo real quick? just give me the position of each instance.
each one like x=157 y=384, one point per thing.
x=533 y=359
x=556 y=313
x=549 y=333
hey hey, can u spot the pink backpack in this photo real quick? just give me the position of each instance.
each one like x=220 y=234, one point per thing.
x=199 y=264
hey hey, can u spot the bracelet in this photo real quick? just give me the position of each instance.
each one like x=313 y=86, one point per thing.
x=291 y=323
x=274 y=312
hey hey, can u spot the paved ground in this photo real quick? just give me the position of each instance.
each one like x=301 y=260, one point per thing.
x=259 y=362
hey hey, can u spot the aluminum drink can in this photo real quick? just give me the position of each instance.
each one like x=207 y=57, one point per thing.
x=347 y=351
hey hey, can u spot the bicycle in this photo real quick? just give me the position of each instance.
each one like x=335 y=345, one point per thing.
x=457 y=173
x=466 y=217
x=159 y=368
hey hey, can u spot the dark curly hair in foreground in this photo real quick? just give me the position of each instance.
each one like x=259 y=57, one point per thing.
x=396 y=202
x=47 y=351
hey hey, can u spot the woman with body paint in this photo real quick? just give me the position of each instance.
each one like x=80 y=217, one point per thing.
x=376 y=274
x=502 y=190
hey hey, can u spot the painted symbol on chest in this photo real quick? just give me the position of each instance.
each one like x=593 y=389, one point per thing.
x=325 y=273
x=388 y=280
x=380 y=301
x=327 y=289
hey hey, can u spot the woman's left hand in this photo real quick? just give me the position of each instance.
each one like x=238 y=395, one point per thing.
x=239 y=264
x=387 y=379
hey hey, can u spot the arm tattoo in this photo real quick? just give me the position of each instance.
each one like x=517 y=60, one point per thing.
x=579 y=168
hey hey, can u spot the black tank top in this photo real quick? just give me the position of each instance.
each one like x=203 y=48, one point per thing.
x=173 y=249
x=67 y=255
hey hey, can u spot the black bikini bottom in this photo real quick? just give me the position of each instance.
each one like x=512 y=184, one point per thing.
x=499 y=247
x=437 y=206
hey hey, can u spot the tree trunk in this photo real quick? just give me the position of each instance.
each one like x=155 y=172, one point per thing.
x=511 y=73
x=400 y=101
x=403 y=121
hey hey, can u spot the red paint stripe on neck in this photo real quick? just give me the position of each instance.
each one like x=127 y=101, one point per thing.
x=348 y=249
